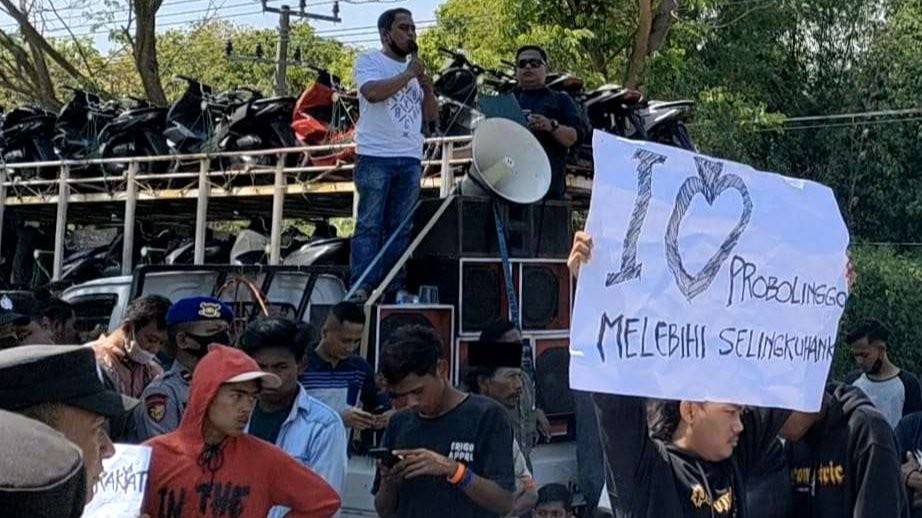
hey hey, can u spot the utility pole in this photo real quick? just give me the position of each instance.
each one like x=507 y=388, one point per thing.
x=285 y=13
x=281 y=57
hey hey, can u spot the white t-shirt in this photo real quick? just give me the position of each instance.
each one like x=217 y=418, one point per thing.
x=393 y=127
x=888 y=396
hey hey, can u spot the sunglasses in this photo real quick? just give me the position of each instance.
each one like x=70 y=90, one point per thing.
x=532 y=63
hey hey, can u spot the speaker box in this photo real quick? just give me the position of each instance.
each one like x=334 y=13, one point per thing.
x=483 y=297
x=441 y=318
x=468 y=229
x=476 y=287
x=546 y=296
x=552 y=376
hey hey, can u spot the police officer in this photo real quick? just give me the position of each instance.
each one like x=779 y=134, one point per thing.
x=192 y=325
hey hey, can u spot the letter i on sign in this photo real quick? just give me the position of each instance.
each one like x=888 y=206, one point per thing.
x=630 y=269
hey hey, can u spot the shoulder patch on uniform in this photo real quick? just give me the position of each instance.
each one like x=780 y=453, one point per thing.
x=155 y=405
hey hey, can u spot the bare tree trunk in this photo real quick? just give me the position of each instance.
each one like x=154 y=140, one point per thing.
x=641 y=47
x=665 y=15
x=39 y=44
x=43 y=78
x=145 y=49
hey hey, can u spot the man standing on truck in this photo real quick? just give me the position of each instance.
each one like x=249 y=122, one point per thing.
x=395 y=97
x=127 y=356
x=192 y=325
x=553 y=117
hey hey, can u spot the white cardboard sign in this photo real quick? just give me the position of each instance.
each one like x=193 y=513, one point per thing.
x=120 y=490
x=709 y=280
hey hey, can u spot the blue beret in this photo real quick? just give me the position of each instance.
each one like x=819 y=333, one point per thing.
x=197 y=309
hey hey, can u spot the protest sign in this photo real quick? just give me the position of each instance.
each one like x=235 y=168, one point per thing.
x=120 y=489
x=708 y=281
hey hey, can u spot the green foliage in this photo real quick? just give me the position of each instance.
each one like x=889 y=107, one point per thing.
x=197 y=52
x=887 y=289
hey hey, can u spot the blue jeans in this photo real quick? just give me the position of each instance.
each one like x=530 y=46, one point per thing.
x=388 y=189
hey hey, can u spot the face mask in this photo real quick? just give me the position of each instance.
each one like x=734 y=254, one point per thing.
x=137 y=353
x=397 y=50
x=221 y=337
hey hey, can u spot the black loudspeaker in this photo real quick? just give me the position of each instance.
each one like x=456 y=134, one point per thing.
x=476 y=287
x=552 y=377
x=546 y=300
x=440 y=318
x=468 y=229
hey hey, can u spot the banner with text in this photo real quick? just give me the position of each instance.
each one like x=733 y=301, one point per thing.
x=708 y=281
x=120 y=489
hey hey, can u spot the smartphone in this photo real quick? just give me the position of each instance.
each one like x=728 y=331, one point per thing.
x=387 y=458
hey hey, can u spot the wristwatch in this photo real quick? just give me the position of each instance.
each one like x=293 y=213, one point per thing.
x=554 y=125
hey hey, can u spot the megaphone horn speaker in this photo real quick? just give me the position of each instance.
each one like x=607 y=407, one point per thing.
x=509 y=162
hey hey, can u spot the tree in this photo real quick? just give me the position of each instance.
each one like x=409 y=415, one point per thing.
x=144 y=44
x=24 y=62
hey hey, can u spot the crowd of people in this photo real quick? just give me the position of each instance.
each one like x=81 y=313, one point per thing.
x=263 y=423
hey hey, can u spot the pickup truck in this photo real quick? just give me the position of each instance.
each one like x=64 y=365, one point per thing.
x=100 y=305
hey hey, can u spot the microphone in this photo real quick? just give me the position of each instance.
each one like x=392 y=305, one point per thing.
x=413 y=48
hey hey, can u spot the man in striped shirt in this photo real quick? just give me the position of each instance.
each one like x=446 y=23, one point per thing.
x=341 y=379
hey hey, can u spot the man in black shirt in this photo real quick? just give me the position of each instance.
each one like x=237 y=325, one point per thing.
x=455 y=449
x=552 y=116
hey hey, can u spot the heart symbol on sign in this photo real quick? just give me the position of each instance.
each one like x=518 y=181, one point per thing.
x=711 y=183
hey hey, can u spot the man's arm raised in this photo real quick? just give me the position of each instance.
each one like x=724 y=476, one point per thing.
x=380 y=90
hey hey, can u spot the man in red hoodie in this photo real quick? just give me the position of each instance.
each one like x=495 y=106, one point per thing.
x=208 y=468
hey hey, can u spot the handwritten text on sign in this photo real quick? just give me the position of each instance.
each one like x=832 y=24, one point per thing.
x=120 y=489
x=709 y=280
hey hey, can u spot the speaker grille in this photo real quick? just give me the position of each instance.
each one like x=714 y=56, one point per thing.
x=552 y=385
x=541 y=292
x=482 y=300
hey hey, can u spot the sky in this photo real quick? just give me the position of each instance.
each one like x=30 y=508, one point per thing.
x=357 y=27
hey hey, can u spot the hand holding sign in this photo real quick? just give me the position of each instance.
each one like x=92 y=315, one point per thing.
x=708 y=280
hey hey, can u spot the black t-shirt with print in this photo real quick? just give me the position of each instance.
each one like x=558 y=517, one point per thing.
x=475 y=432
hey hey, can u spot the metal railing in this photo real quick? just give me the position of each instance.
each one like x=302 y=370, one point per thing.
x=133 y=179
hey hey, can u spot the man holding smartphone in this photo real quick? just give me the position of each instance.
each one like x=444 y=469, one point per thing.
x=552 y=116
x=454 y=449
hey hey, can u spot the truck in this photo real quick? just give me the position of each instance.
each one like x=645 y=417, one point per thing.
x=454 y=255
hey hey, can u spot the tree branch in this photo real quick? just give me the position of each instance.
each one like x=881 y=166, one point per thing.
x=34 y=38
x=641 y=48
x=662 y=22
x=80 y=50
x=145 y=49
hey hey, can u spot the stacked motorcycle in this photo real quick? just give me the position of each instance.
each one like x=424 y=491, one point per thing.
x=199 y=121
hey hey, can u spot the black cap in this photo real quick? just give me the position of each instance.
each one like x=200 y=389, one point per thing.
x=8 y=314
x=34 y=374
x=495 y=354
x=41 y=472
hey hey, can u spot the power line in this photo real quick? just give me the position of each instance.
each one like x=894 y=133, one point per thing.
x=843 y=124
x=159 y=17
x=857 y=115
x=56 y=11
